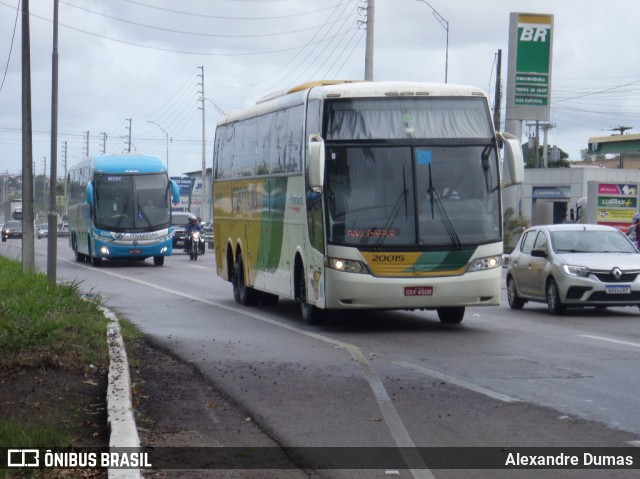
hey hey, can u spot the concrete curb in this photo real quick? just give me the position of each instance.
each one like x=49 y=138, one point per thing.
x=122 y=423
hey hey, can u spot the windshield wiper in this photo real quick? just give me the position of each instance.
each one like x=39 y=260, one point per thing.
x=396 y=208
x=436 y=203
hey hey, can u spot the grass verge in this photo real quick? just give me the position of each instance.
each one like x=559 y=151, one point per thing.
x=54 y=361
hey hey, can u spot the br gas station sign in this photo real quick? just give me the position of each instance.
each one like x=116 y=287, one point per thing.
x=530 y=47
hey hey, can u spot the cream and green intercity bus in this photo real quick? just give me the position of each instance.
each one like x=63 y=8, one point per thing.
x=363 y=195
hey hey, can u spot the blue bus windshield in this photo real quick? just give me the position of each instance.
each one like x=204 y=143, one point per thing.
x=132 y=203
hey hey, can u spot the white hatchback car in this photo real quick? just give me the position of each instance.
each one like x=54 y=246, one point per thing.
x=569 y=265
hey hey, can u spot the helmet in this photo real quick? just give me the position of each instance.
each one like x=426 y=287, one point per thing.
x=192 y=219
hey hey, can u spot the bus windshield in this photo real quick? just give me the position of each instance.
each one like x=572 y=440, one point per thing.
x=132 y=203
x=413 y=195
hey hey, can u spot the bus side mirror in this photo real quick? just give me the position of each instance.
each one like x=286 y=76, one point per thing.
x=175 y=192
x=90 y=193
x=316 y=162
x=513 y=168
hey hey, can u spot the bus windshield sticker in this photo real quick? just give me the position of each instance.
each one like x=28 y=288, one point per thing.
x=424 y=157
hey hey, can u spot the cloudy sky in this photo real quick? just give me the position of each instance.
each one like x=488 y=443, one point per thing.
x=136 y=67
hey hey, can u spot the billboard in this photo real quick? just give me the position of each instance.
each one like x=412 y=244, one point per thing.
x=529 y=72
x=615 y=204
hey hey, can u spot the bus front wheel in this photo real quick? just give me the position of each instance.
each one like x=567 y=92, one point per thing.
x=158 y=260
x=310 y=314
x=453 y=315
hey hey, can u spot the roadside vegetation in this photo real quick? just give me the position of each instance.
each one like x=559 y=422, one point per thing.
x=53 y=364
x=513 y=226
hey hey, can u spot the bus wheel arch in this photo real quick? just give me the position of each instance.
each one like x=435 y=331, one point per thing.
x=95 y=260
x=230 y=262
x=310 y=314
x=79 y=257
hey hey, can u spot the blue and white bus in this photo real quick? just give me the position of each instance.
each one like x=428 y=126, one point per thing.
x=119 y=207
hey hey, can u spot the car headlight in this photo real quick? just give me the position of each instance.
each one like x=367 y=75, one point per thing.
x=582 y=271
x=348 y=266
x=487 y=262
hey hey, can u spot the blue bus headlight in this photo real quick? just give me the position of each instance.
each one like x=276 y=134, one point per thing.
x=104 y=250
x=348 y=266
x=488 y=262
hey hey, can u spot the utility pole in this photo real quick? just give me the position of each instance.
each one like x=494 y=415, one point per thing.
x=28 y=245
x=203 y=200
x=129 y=141
x=52 y=220
x=545 y=145
x=85 y=149
x=104 y=142
x=64 y=211
x=621 y=130
x=498 y=105
x=368 y=55
x=44 y=183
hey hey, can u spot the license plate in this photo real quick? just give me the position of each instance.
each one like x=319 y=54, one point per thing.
x=135 y=251
x=418 y=291
x=618 y=289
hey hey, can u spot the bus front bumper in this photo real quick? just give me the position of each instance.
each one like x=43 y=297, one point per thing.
x=363 y=291
x=115 y=251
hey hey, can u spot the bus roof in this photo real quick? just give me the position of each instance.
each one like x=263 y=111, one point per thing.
x=128 y=164
x=350 y=89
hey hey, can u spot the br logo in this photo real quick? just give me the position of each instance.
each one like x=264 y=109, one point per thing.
x=535 y=33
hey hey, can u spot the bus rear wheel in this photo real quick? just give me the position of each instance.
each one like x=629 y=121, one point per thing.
x=453 y=315
x=242 y=293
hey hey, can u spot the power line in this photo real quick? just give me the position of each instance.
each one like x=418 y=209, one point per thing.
x=13 y=36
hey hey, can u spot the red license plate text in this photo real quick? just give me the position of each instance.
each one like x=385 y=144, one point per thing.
x=418 y=291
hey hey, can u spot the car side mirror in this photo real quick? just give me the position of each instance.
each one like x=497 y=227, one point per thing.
x=539 y=253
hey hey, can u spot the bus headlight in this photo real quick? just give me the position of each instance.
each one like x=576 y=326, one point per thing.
x=348 y=266
x=488 y=262
x=104 y=250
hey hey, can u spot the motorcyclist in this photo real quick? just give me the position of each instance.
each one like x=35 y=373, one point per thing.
x=192 y=226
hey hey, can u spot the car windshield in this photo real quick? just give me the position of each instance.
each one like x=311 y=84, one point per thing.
x=179 y=219
x=13 y=224
x=591 y=241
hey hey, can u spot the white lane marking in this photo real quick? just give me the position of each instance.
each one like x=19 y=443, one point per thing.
x=197 y=266
x=457 y=382
x=389 y=413
x=610 y=340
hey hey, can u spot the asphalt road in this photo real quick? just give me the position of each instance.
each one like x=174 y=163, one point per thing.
x=500 y=379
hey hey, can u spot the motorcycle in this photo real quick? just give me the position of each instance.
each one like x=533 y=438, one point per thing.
x=196 y=246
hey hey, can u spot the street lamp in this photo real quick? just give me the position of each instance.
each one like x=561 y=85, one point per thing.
x=167 y=137
x=445 y=25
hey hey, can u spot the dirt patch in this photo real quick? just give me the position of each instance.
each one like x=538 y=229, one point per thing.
x=72 y=400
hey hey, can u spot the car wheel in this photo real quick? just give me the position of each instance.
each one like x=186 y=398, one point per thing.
x=515 y=301
x=453 y=315
x=554 y=304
